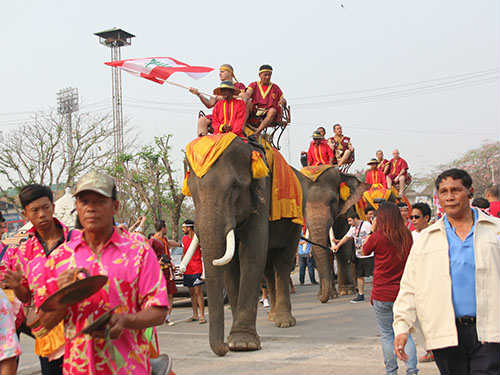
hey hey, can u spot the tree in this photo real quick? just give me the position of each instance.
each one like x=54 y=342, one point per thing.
x=481 y=163
x=147 y=184
x=38 y=151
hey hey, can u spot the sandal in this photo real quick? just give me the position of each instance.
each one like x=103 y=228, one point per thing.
x=192 y=319
x=203 y=321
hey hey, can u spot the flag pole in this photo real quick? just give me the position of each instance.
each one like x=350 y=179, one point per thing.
x=187 y=88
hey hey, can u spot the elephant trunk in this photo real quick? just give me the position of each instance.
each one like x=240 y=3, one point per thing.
x=217 y=239
x=319 y=225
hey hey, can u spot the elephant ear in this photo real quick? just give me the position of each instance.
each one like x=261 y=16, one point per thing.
x=351 y=191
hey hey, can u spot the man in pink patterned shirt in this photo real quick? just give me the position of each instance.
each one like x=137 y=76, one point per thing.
x=135 y=284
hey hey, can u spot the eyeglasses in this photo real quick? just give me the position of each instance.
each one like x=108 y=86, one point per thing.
x=415 y=217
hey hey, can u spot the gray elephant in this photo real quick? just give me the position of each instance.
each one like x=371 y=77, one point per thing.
x=325 y=217
x=239 y=245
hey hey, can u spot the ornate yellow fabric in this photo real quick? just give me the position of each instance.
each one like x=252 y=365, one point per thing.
x=345 y=191
x=185 y=187
x=377 y=191
x=259 y=167
x=286 y=196
x=313 y=172
x=53 y=340
x=203 y=152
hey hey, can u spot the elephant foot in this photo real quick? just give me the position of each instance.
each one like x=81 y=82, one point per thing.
x=324 y=297
x=220 y=349
x=271 y=316
x=243 y=341
x=284 y=320
x=343 y=292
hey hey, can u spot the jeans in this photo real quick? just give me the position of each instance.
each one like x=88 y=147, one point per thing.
x=306 y=261
x=384 y=316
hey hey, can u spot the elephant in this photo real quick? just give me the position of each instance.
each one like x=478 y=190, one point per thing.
x=239 y=245
x=325 y=215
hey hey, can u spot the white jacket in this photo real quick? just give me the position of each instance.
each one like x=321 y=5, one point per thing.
x=425 y=292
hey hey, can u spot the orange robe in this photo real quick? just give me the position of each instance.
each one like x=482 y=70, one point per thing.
x=373 y=177
x=319 y=154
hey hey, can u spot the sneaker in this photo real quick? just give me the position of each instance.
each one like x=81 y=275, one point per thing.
x=427 y=357
x=266 y=304
x=171 y=323
x=358 y=298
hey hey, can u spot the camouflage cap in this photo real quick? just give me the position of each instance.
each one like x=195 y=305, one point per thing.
x=96 y=181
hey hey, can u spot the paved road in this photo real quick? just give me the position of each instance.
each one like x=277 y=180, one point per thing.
x=334 y=338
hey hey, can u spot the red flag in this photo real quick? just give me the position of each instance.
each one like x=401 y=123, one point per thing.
x=158 y=69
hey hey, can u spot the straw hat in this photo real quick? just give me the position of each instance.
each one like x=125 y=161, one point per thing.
x=372 y=161
x=226 y=85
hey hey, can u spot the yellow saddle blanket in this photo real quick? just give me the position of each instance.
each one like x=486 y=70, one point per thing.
x=203 y=152
x=313 y=172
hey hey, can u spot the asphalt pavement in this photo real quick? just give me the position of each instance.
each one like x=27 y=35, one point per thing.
x=338 y=337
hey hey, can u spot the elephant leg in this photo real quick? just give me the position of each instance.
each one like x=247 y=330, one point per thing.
x=282 y=262
x=252 y=257
x=271 y=287
x=232 y=284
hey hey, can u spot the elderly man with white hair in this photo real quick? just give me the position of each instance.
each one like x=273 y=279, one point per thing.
x=398 y=172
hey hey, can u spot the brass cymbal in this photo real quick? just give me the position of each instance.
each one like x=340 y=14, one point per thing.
x=98 y=324
x=74 y=293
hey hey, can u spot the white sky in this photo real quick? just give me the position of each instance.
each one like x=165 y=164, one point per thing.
x=317 y=48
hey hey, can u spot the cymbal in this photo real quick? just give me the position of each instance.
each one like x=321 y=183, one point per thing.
x=97 y=324
x=74 y=293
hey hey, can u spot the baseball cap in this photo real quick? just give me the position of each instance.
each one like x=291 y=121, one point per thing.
x=96 y=181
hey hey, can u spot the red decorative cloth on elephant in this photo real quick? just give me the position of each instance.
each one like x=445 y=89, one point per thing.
x=286 y=196
x=339 y=147
x=313 y=172
x=375 y=176
x=319 y=153
x=231 y=113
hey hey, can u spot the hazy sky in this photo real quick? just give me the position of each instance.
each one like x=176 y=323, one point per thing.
x=422 y=76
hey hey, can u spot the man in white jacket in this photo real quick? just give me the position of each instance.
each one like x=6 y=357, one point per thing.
x=451 y=284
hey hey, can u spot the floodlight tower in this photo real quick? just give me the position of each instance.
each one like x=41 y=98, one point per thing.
x=67 y=103
x=114 y=39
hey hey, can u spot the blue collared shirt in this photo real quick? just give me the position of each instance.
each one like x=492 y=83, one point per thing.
x=304 y=249
x=462 y=269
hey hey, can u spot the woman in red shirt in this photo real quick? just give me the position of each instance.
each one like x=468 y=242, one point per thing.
x=391 y=242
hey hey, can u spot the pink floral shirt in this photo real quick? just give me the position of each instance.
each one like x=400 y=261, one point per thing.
x=135 y=283
x=32 y=258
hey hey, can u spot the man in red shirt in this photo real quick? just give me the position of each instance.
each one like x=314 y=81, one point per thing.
x=374 y=175
x=192 y=275
x=319 y=152
x=382 y=163
x=229 y=114
x=398 y=172
x=267 y=99
x=226 y=73
x=491 y=195
x=343 y=152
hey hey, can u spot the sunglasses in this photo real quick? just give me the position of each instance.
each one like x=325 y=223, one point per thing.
x=415 y=217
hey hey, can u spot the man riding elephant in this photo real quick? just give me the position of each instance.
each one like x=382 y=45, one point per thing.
x=229 y=114
x=267 y=100
x=343 y=151
x=226 y=73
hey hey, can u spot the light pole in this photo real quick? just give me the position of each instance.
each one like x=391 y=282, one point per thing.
x=67 y=104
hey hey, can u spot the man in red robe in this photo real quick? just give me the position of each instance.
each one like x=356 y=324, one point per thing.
x=343 y=152
x=319 y=152
x=267 y=99
x=398 y=172
x=229 y=114
x=382 y=163
x=226 y=73
x=374 y=175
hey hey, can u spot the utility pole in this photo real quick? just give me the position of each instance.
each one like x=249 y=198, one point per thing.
x=114 y=39
x=67 y=104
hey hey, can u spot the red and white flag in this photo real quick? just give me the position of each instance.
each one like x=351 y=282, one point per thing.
x=158 y=69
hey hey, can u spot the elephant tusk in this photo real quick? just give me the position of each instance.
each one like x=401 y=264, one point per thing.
x=307 y=234
x=189 y=253
x=230 y=247
x=332 y=236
